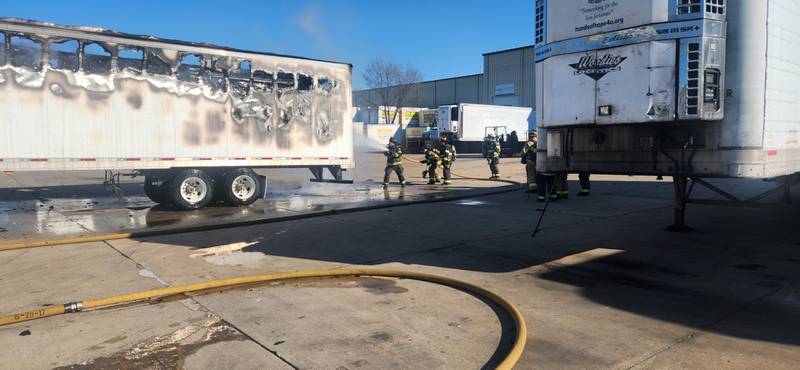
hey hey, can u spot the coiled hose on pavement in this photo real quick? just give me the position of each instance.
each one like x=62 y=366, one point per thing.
x=508 y=361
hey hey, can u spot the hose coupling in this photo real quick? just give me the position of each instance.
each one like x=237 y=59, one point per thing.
x=73 y=307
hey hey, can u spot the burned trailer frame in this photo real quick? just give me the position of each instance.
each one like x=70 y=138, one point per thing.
x=81 y=98
x=693 y=90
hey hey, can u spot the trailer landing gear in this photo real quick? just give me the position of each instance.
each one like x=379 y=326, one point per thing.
x=683 y=197
x=336 y=172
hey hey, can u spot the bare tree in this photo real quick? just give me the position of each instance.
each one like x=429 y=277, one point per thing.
x=393 y=85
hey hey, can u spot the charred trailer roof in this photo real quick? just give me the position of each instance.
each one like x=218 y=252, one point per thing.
x=88 y=98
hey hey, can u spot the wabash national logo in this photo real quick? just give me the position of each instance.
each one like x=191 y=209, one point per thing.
x=598 y=66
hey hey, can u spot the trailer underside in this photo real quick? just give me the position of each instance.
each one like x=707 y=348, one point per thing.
x=688 y=152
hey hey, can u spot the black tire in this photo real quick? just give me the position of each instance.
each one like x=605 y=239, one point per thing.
x=191 y=189
x=157 y=189
x=245 y=191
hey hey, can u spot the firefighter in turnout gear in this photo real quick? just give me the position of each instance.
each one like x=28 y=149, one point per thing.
x=448 y=155
x=493 y=156
x=562 y=185
x=529 y=159
x=546 y=186
x=394 y=162
x=433 y=161
x=586 y=185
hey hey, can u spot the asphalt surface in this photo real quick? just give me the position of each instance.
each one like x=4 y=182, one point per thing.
x=602 y=286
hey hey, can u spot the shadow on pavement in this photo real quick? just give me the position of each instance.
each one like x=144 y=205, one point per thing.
x=736 y=276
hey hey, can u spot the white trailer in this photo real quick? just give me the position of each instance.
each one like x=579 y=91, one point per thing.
x=195 y=119
x=687 y=88
x=468 y=124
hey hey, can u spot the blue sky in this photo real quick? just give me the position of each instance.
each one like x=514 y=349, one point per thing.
x=443 y=38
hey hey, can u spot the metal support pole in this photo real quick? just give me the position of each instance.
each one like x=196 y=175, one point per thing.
x=550 y=190
x=680 y=183
x=336 y=172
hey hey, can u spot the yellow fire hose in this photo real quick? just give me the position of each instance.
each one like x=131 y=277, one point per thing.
x=508 y=362
x=512 y=182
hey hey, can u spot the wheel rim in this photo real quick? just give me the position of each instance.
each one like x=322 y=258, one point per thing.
x=243 y=187
x=194 y=190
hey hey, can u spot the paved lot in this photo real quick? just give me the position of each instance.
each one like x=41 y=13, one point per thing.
x=603 y=286
x=51 y=205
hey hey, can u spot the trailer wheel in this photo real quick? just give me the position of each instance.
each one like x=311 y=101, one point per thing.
x=241 y=187
x=157 y=189
x=191 y=189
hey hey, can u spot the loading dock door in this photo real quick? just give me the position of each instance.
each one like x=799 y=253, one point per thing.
x=637 y=82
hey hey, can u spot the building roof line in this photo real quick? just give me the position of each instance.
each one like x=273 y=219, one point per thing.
x=508 y=50
x=426 y=82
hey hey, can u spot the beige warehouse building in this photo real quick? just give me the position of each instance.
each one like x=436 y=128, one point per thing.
x=507 y=79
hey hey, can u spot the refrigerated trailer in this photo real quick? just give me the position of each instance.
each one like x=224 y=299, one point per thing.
x=689 y=88
x=194 y=119
x=467 y=124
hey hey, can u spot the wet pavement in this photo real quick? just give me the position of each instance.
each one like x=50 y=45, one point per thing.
x=36 y=207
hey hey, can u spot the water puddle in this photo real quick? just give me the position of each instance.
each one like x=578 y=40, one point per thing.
x=470 y=202
x=165 y=352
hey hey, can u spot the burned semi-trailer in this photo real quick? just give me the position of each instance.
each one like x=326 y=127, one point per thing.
x=194 y=119
x=692 y=89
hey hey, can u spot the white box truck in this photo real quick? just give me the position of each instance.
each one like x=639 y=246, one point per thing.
x=194 y=119
x=687 y=88
x=469 y=124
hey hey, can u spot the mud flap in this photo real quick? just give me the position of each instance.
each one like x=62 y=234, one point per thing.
x=262 y=182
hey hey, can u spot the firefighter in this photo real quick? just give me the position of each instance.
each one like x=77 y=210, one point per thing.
x=562 y=186
x=529 y=159
x=425 y=155
x=493 y=156
x=394 y=162
x=448 y=155
x=586 y=185
x=546 y=184
x=432 y=160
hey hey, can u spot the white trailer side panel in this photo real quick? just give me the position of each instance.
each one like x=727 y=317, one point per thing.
x=475 y=118
x=743 y=126
x=60 y=119
x=782 y=117
x=576 y=18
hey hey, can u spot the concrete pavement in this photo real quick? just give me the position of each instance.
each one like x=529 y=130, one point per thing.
x=603 y=286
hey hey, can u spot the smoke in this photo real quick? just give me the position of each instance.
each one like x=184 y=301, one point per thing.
x=367 y=175
x=312 y=21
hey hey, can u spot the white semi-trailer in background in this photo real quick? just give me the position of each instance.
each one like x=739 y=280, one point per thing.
x=469 y=124
x=687 y=88
x=194 y=119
